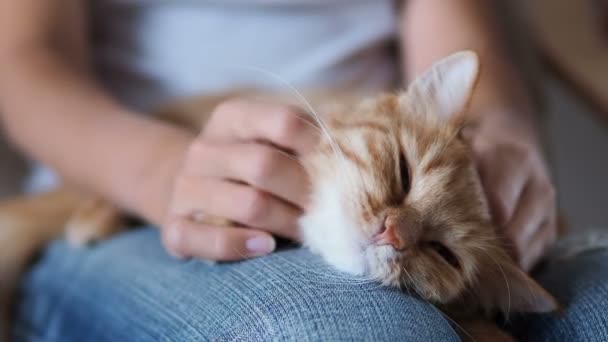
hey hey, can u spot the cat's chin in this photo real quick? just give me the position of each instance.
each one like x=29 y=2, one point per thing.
x=328 y=231
x=335 y=248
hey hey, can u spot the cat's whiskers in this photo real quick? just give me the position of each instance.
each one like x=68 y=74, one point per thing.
x=451 y=138
x=410 y=278
x=508 y=311
x=433 y=275
x=289 y=155
x=335 y=147
x=366 y=188
x=441 y=313
x=322 y=127
x=435 y=308
x=309 y=108
x=448 y=319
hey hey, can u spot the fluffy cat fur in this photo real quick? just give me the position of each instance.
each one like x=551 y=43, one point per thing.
x=392 y=167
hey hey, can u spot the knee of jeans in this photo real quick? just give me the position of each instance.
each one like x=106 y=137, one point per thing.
x=373 y=315
x=583 y=320
x=580 y=284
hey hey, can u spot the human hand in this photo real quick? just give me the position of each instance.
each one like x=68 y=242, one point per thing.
x=518 y=186
x=243 y=168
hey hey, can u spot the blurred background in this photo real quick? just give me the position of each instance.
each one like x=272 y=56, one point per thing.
x=572 y=42
x=570 y=38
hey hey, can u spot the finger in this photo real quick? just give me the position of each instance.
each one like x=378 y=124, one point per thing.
x=285 y=126
x=503 y=186
x=534 y=207
x=185 y=238
x=261 y=166
x=238 y=203
x=536 y=248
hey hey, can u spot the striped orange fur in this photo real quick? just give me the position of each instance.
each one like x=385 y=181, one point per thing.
x=398 y=161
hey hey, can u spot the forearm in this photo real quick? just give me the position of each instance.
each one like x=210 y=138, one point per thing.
x=58 y=115
x=432 y=29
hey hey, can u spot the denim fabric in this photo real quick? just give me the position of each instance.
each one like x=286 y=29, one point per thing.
x=128 y=289
x=580 y=284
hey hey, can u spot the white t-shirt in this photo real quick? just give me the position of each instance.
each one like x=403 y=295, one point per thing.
x=149 y=51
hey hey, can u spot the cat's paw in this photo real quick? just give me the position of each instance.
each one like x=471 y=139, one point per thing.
x=94 y=221
x=16 y=250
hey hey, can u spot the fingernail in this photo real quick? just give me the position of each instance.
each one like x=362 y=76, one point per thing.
x=176 y=255
x=260 y=245
x=173 y=239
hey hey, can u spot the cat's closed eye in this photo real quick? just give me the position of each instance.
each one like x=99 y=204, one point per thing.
x=445 y=253
x=405 y=174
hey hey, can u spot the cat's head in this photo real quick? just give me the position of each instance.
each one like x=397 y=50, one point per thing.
x=396 y=197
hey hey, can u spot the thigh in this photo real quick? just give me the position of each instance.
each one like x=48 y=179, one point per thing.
x=580 y=284
x=129 y=289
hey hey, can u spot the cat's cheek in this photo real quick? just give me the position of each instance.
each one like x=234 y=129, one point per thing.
x=384 y=265
x=328 y=229
x=330 y=243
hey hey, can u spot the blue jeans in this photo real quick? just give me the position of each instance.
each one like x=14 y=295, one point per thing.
x=128 y=289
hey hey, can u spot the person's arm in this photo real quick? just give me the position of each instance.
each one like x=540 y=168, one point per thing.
x=433 y=29
x=53 y=109
x=505 y=142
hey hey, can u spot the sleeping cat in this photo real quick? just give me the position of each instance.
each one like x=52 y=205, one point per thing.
x=395 y=197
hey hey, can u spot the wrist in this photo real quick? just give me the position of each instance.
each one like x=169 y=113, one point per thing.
x=500 y=114
x=509 y=121
x=504 y=102
x=154 y=175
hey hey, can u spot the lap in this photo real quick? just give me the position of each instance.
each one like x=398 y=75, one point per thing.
x=580 y=284
x=129 y=289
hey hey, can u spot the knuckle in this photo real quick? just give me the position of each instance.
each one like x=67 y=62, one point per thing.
x=514 y=242
x=551 y=193
x=182 y=185
x=515 y=251
x=255 y=206
x=174 y=237
x=547 y=190
x=197 y=150
x=501 y=212
x=221 y=246
x=518 y=152
x=263 y=165
x=484 y=155
x=288 y=122
x=551 y=235
x=226 y=107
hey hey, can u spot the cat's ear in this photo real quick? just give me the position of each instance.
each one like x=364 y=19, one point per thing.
x=509 y=289
x=446 y=88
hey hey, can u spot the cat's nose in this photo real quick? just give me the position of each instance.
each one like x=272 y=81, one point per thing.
x=389 y=235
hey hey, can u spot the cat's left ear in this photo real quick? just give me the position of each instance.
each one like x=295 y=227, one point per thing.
x=446 y=88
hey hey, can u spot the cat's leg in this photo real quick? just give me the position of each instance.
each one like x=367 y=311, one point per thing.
x=94 y=220
x=26 y=225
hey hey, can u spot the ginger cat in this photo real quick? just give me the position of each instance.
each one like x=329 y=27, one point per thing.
x=395 y=197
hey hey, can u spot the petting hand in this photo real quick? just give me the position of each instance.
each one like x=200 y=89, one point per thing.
x=242 y=168
x=519 y=189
